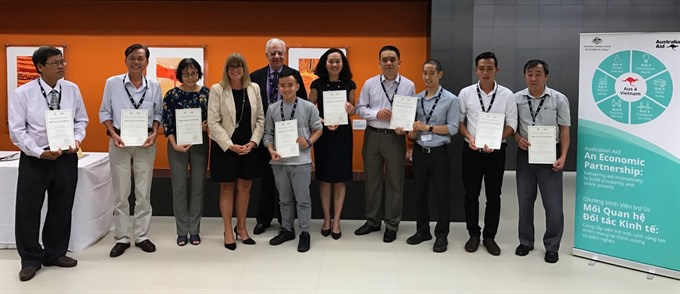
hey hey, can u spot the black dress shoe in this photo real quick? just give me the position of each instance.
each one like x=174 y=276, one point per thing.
x=472 y=244
x=248 y=241
x=551 y=257
x=62 y=261
x=230 y=246
x=283 y=236
x=389 y=236
x=492 y=247
x=326 y=232
x=336 y=235
x=260 y=228
x=28 y=272
x=303 y=245
x=418 y=238
x=366 y=229
x=523 y=250
x=146 y=246
x=119 y=249
x=440 y=245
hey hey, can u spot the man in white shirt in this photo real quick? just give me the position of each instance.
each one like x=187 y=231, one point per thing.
x=42 y=169
x=482 y=162
x=384 y=149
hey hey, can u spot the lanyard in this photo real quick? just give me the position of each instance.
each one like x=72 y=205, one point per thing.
x=292 y=113
x=49 y=105
x=146 y=87
x=493 y=97
x=531 y=111
x=385 y=90
x=428 y=116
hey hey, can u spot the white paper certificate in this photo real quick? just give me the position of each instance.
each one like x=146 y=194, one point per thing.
x=59 y=124
x=490 y=130
x=285 y=137
x=334 y=108
x=189 y=126
x=403 y=112
x=543 y=140
x=133 y=126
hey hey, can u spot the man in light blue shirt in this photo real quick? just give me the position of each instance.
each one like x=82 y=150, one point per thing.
x=131 y=90
x=437 y=117
x=42 y=169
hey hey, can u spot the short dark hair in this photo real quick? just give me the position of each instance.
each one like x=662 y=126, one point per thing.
x=434 y=62
x=389 y=48
x=287 y=73
x=321 y=70
x=43 y=53
x=486 y=55
x=186 y=63
x=134 y=47
x=534 y=63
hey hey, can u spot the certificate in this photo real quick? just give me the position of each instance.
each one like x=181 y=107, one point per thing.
x=133 y=126
x=189 y=126
x=403 y=112
x=543 y=140
x=285 y=138
x=59 y=124
x=490 y=130
x=334 y=108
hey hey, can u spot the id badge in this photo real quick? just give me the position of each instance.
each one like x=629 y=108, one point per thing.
x=426 y=137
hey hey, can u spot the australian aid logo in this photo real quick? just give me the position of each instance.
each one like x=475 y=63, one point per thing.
x=670 y=44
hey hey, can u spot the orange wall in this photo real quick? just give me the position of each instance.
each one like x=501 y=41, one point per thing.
x=96 y=35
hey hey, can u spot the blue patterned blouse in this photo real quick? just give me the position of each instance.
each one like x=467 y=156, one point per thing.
x=176 y=98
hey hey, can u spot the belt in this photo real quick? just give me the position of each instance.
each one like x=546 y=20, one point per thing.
x=117 y=130
x=429 y=150
x=381 y=131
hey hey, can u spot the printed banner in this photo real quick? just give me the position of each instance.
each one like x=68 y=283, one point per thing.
x=628 y=166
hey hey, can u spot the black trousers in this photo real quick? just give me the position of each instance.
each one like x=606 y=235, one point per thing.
x=268 y=204
x=490 y=167
x=59 y=178
x=432 y=168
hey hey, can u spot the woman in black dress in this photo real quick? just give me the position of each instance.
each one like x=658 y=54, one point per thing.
x=333 y=150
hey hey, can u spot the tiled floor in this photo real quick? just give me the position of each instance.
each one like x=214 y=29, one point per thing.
x=352 y=264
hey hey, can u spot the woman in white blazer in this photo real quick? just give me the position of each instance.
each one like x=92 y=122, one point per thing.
x=236 y=123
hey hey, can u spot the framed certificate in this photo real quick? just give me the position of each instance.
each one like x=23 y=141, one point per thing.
x=543 y=140
x=285 y=138
x=59 y=124
x=403 y=112
x=334 y=108
x=188 y=126
x=490 y=130
x=133 y=126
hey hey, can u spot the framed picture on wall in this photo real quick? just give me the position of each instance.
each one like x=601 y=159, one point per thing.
x=305 y=60
x=20 y=68
x=163 y=64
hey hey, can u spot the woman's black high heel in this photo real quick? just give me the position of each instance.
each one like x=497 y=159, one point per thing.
x=248 y=241
x=230 y=246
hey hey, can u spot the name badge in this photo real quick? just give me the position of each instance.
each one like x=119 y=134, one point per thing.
x=426 y=137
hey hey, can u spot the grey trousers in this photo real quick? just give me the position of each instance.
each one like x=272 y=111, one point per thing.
x=529 y=176
x=125 y=163
x=188 y=212
x=293 y=182
x=384 y=154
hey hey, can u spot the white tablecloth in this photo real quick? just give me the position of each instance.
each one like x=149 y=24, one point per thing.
x=92 y=215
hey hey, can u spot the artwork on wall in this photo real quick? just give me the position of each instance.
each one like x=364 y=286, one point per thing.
x=305 y=60
x=163 y=64
x=20 y=68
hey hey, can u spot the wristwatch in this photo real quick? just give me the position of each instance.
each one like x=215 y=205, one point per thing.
x=309 y=143
x=431 y=128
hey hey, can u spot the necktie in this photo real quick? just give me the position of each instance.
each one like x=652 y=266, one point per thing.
x=54 y=99
x=274 y=89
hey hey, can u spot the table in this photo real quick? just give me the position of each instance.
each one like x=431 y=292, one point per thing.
x=92 y=215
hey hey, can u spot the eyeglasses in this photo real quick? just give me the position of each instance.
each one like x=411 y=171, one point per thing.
x=56 y=63
x=189 y=74
x=234 y=66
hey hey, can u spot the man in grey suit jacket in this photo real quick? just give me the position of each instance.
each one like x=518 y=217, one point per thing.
x=267 y=78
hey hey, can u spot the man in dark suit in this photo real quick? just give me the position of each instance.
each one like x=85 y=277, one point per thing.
x=267 y=78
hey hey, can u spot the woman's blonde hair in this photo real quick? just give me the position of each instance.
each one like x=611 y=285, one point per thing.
x=236 y=59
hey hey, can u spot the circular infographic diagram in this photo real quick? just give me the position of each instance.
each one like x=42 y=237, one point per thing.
x=632 y=87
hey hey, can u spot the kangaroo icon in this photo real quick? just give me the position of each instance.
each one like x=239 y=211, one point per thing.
x=630 y=80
